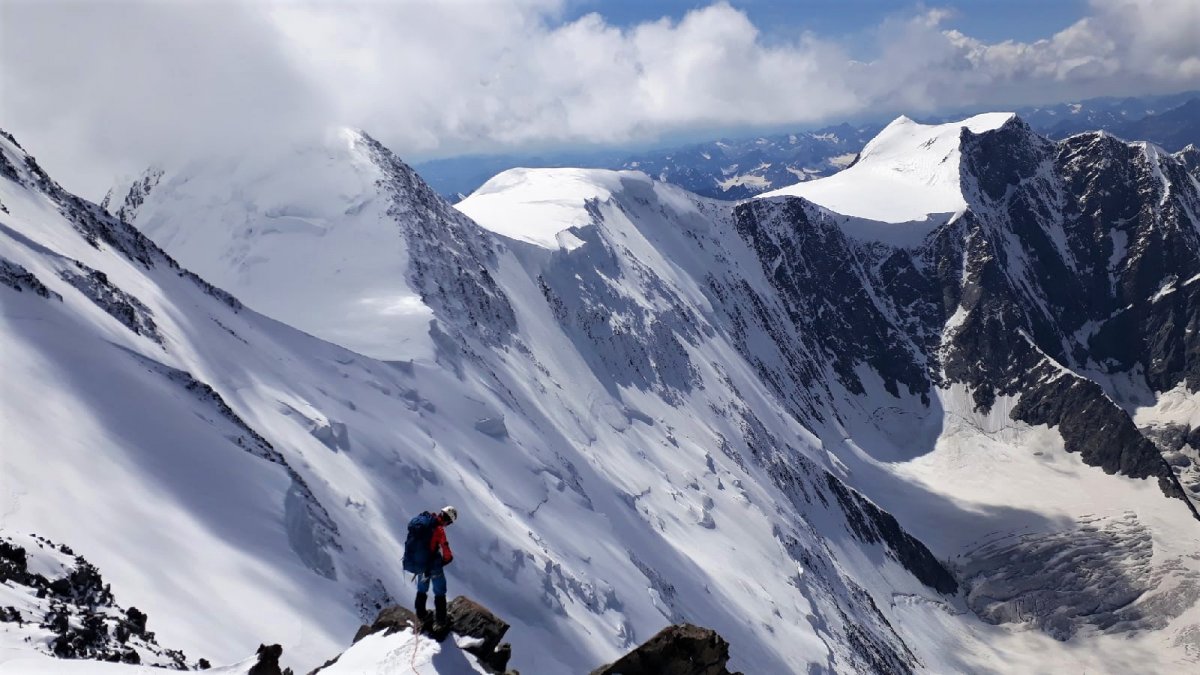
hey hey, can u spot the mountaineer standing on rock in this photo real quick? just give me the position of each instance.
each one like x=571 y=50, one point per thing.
x=426 y=553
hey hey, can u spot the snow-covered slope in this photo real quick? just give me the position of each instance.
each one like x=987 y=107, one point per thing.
x=651 y=407
x=909 y=172
x=405 y=652
x=301 y=231
x=265 y=476
x=536 y=205
x=910 y=378
x=117 y=445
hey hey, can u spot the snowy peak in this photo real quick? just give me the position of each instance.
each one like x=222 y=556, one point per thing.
x=538 y=206
x=923 y=154
x=335 y=236
x=246 y=222
x=909 y=172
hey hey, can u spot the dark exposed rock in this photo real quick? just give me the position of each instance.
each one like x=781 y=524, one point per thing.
x=126 y=209
x=872 y=644
x=682 y=649
x=466 y=617
x=80 y=612
x=449 y=254
x=98 y=227
x=268 y=661
x=821 y=278
x=470 y=619
x=590 y=290
x=390 y=620
x=1072 y=256
x=872 y=524
x=122 y=306
x=1093 y=426
x=1104 y=242
x=20 y=279
x=800 y=480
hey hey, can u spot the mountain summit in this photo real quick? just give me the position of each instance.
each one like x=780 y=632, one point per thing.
x=909 y=172
x=326 y=236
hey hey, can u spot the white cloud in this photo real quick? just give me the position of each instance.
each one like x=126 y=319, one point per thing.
x=96 y=87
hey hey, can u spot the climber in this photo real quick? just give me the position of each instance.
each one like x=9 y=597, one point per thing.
x=426 y=553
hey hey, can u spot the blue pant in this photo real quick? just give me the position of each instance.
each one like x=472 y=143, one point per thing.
x=439 y=582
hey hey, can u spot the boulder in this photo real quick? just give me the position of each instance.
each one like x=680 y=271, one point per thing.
x=471 y=619
x=268 y=661
x=390 y=620
x=682 y=649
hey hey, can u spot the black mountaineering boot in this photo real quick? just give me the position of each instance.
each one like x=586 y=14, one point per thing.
x=441 y=626
x=422 y=613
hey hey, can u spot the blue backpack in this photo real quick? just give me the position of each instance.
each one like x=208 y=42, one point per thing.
x=416 y=546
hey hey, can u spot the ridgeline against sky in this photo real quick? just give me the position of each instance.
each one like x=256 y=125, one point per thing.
x=104 y=89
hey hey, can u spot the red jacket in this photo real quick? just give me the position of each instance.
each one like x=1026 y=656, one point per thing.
x=439 y=546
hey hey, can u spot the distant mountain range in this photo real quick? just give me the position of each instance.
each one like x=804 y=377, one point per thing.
x=1118 y=115
x=735 y=169
x=1174 y=129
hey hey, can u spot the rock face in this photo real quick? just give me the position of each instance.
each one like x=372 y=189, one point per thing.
x=1073 y=262
x=682 y=649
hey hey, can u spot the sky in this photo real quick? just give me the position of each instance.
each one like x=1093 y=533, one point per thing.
x=992 y=20
x=97 y=89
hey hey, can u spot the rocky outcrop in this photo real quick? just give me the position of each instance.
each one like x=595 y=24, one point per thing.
x=122 y=306
x=471 y=619
x=125 y=208
x=268 y=661
x=449 y=255
x=390 y=620
x=682 y=649
x=73 y=610
x=467 y=618
x=20 y=279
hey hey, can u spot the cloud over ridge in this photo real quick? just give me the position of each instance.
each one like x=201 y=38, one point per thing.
x=97 y=87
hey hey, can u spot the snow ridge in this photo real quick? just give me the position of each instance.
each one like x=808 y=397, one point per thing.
x=907 y=173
